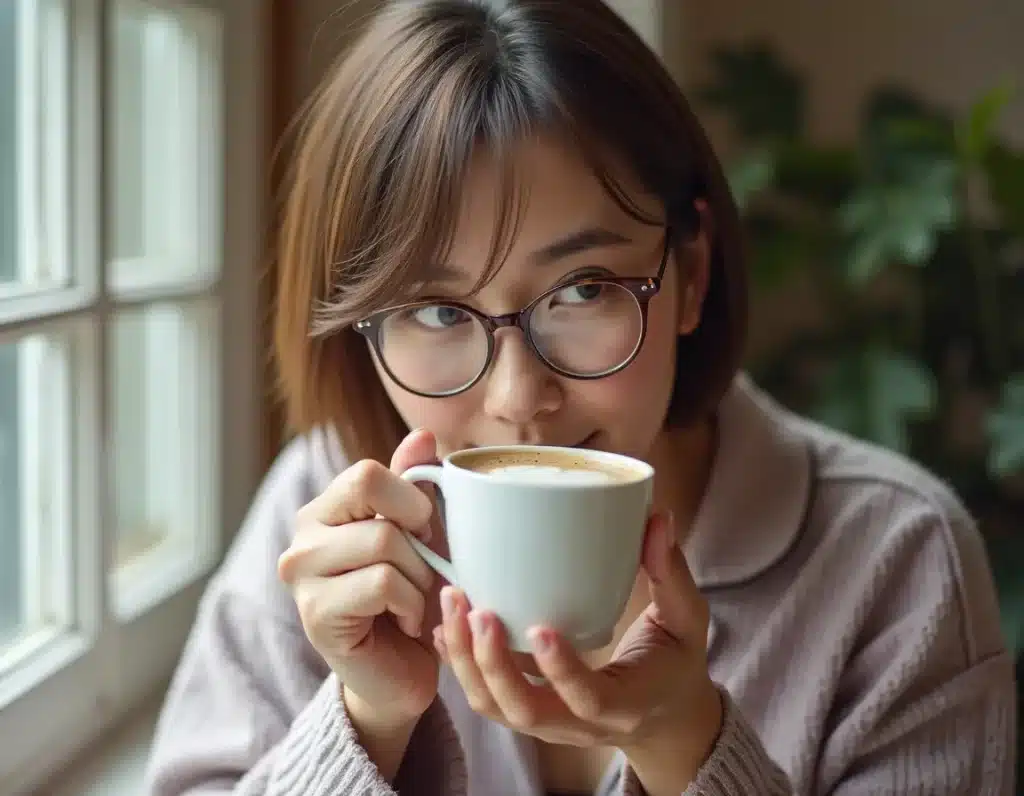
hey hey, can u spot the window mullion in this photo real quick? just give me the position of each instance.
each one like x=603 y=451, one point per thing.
x=88 y=205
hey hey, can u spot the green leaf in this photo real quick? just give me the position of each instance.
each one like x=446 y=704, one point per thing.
x=873 y=393
x=1006 y=430
x=900 y=132
x=778 y=249
x=820 y=175
x=898 y=221
x=764 y=97
x=750 y=175
x=1005 y=172
x=975 y=133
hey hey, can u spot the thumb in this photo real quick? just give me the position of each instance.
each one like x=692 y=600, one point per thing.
x=418 y=447
x=677 y=606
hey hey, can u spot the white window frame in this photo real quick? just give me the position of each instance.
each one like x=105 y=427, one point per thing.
x=71 y=687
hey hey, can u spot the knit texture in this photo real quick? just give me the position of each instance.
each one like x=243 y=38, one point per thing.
x=854 y=635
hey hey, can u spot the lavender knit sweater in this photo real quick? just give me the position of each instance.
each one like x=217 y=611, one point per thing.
x=854 y=633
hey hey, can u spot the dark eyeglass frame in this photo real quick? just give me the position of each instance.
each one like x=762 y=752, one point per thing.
x=643 y=288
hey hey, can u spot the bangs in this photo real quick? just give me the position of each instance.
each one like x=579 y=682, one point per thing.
x=417 y=216
x=381 y=240
x=415 y=227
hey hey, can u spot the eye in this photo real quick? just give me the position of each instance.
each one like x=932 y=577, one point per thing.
x=578 y=294
x=439 y=316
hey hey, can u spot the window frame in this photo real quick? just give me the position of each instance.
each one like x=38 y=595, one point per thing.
x=75 y=687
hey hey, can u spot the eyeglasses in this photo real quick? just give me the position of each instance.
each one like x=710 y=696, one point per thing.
x=587 y=328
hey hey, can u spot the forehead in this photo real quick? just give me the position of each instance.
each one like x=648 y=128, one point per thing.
x=555 y=192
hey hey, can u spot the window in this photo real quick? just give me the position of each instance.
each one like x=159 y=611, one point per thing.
x=130 y=240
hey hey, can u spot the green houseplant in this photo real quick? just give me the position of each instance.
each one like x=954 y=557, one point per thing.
x=911 y=242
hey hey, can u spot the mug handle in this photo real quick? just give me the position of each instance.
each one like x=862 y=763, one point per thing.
x=435 y=475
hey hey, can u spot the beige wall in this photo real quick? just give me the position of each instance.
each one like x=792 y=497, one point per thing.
x=949 y=50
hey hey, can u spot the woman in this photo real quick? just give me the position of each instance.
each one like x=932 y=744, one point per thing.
x=832 y=627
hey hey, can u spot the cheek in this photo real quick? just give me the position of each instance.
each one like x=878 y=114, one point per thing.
x=634 y=402
x=444 y=416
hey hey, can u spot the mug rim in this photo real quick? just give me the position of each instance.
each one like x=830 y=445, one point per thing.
x=644 y=471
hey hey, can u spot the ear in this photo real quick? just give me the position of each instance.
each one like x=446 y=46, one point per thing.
x=695 y=276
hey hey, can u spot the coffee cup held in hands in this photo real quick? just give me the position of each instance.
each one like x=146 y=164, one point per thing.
x=542 y=536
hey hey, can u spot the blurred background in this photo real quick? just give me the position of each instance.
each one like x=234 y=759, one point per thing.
x=876 y=149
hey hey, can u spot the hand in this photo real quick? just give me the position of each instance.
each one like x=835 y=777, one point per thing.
x=655 y=700
x=362 y=590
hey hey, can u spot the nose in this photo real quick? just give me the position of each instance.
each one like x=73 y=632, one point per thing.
x=519 y=386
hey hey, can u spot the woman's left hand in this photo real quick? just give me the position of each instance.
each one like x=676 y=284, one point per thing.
x=655 y=700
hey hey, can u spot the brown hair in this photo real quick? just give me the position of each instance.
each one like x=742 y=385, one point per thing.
x=381 y=152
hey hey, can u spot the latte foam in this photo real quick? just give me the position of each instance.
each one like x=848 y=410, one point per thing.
x=534 y=474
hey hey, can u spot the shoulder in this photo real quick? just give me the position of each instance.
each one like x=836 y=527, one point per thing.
x=915 y=550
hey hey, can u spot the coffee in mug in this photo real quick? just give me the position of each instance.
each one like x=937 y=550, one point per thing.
x=545 y=465
x=542 y=536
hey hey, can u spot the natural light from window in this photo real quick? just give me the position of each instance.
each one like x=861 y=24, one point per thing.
x=112 y=386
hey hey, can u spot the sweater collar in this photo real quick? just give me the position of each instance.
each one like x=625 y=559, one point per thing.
x=758 y=493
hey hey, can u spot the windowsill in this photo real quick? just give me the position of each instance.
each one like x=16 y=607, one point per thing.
x=115 y=765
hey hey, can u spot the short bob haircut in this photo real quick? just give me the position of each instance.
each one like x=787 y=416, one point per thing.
x=381 y=153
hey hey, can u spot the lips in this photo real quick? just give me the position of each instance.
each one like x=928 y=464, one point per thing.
x=586 y=442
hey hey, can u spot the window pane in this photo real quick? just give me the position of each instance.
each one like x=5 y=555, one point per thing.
x=33 y=150
x=34 y=454
x=10 y=502
x=8 y=145
x=165 y=145
x=163 y=403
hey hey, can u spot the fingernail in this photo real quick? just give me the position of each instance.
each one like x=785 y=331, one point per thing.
x=447 y=603
x=481 y=623
x=541 y=640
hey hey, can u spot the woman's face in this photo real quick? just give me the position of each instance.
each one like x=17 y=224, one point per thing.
x=520 y=400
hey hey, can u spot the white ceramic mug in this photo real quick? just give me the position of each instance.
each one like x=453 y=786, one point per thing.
x=554 y=553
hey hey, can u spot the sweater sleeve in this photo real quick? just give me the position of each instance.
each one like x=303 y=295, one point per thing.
x=926 y=701
x=252 y=710
x=738 y=765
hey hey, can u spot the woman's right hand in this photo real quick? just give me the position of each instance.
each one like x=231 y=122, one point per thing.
x=362 y=591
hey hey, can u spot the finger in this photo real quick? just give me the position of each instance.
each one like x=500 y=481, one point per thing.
x=518 y=701
x=368 y=489
x=325 y=551
x=439 y=645
x=588 y=694
x=418 y=447
x=459 y=642
x=677 y=607
x=365 y=593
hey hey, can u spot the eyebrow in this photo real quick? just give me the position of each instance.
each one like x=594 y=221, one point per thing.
x=582 y=240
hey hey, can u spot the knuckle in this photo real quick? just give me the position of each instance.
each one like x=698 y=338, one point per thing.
x=382 y=540
x=286 y=567
x=481 y=704
x=590 y=706
x=385 y=578
x=308 y=605
x=365 y=475
x=630 y=725
x=304 y=516
x=522 y=717
x=289 y=563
